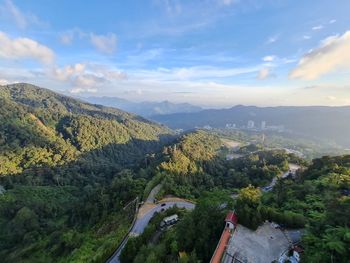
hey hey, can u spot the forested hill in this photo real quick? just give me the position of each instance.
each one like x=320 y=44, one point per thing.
x=318 y=122
x=39 y=127
x=67 y=169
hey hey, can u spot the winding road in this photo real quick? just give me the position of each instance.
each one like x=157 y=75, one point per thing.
x=141 y=223
x=143 y=220
x=148 y=209
x=292 y=170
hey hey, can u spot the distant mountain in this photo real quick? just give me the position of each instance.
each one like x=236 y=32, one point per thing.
x=146 y=108
x=319 y=122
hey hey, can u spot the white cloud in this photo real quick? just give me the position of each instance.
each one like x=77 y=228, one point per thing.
x=264 y=73
x=332 y=54
x=319 y=27
x=272 y=39
x=24 y=48
x=269 y=58
x=4 y=82
x=331 y=97
x=67 y=72
x=104 y=43
x=83 y=76
x=82 y=90
x=172 y=7
x=228 y=2
x=66 y=38
x=306 y=37
x=22 y=20
x=192 y=73
x=17 y=15
x=332 y=21
x=89 y=80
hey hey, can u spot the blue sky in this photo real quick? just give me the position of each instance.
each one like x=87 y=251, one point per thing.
x=213 y=53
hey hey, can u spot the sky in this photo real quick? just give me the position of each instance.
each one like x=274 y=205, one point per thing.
x=211 y=53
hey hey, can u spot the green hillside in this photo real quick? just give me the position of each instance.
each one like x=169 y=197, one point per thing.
x=68 y=168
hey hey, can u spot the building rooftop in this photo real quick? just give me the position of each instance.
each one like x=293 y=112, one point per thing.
x=231 y=217
x=266 y=244
x=221 y=247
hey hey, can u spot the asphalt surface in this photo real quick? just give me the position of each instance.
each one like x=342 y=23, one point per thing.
x=2 y=189
x=152 y=195
x=292 y=169
x=141 y=224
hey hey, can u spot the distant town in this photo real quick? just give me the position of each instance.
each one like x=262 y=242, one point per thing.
x=251 y=125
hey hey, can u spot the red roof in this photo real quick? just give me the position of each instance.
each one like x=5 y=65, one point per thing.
x=221 y=247
x=231 y=217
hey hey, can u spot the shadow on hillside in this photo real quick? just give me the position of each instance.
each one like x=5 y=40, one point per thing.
x=97 y=165
x=86 y=200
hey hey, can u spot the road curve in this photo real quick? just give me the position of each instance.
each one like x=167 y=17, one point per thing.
x=141 y=223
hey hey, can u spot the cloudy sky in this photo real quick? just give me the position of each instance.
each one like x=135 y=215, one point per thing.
x=213 y=53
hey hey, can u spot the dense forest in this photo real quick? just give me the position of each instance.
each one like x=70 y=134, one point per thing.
x=321 y=194
x=68 y=168
x=196 y=163
x=192 y=240
x=70 y=173
x=316 y=200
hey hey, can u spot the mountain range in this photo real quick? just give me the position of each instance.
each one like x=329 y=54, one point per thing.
x=145 y=108
x=318 y=122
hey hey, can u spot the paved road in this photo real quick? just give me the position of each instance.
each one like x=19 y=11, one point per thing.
x=292 y=169
x=152 y=195
x=2 y=189
x=142 y=222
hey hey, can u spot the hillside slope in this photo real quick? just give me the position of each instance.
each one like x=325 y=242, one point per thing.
x=67 y=169
x=59 y=129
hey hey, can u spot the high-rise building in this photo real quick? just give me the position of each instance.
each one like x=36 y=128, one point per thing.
x=263 y=125
x=250 y=124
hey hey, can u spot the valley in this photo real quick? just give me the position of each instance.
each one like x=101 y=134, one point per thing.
x=174 y=131
x=87 y=183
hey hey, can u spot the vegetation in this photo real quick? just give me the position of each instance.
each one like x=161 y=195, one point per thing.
x=68 y=168
x=308 y=147
x=252 y=213
x=193 y=239
x=194 y=165
x=321 y=195
x=70 y=173
x=316 y=199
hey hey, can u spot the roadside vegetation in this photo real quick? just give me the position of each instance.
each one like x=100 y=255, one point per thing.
x=194 y=165
x=192 y=239
x=321 y=194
